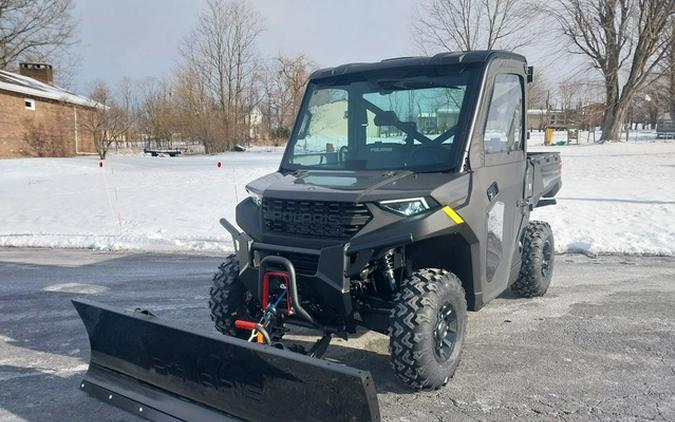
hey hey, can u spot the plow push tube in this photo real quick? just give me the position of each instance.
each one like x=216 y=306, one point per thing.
x=164 y=372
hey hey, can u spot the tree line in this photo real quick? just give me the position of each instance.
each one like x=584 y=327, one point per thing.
x=223 y=92
x=629 y=43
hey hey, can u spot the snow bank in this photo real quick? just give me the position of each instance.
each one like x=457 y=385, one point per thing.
x=617 y=199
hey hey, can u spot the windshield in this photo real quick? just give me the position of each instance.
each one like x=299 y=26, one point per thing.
x=415 y=123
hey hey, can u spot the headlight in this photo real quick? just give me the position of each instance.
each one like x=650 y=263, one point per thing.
x=255 y=196
x=407 y=207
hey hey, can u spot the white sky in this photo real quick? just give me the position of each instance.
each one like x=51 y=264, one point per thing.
x=140 y=39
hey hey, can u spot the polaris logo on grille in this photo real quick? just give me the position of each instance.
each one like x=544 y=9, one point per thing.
x=314 y=218
x=302 y=218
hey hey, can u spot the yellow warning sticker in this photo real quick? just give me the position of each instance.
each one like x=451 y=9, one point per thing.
x=453 y=215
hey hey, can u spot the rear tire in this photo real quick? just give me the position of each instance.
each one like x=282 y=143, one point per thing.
x=427 y=326
x=538 y=256
x=230 y=301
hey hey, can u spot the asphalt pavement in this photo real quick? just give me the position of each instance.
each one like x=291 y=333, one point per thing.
x=599 y=345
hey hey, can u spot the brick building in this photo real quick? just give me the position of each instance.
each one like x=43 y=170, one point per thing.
x=40 y=119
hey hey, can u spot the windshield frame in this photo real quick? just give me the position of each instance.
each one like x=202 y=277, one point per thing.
x=471 y=73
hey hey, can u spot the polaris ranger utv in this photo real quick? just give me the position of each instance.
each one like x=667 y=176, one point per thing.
x=402 y=201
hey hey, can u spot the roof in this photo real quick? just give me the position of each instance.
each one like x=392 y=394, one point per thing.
x=449 y=58
x=20 y=84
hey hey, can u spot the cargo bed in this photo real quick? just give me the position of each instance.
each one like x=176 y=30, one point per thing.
x=544 y=177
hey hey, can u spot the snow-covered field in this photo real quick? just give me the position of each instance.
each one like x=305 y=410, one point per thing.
x=616 y=199
x=133 y=202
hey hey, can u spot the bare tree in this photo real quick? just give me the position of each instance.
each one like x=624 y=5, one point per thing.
x=107 y=122
x=654 y=98
x=475 y=24
x=671 y=70
x=34 y=28
x=294 y=74
x=128 y=94
x=197 y=116
x=283 y=87
x=617 y=35
x=221 y=53
x=537 y=93
x=569 y=92
x=158 y=113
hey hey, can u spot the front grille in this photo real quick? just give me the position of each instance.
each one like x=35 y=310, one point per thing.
x=306 y=264
x=303 y=263
x=337 y=220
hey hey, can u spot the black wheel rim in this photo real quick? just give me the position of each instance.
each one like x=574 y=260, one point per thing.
x=546 y=260
x=445 y=332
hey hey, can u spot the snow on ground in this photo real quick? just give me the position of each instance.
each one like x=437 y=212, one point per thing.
x=616 y=199
x=133 y=202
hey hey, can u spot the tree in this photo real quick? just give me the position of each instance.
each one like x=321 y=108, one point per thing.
x=158 y=113
x=293 y=76
x=537 y=93
x=618 y=35
x=107 y=121
x=196 y=114
x=220 y=57
x=652 y=100
x=569 y=93
x=130 y=101
x=671 y=70
x=34 y=28
x=283 y=87
x=475 y=24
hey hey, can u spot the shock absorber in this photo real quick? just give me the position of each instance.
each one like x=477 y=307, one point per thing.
x=387 y=264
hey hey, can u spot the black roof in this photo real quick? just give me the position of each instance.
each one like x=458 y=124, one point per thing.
x=449 y=58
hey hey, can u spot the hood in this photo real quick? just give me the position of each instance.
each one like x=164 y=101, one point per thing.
x=349 y=186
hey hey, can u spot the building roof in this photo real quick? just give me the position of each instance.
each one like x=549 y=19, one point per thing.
x=20 y=84
x=448 y=58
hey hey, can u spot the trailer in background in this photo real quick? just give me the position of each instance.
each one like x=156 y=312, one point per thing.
x=171 y=152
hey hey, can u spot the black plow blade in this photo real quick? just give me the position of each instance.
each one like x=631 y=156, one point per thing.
x=164 y=372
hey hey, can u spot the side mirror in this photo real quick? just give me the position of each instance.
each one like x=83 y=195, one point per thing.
x=530 y=74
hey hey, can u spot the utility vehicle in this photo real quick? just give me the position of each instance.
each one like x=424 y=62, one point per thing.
x=402 y=201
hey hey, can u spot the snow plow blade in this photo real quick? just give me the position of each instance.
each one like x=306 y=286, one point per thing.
x=164 y=372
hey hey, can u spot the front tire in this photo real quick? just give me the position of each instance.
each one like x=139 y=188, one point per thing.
x=538 y=256
x=427 y=326
x=230 y=301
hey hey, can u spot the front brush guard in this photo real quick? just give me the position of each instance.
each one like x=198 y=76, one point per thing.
x=272 y=261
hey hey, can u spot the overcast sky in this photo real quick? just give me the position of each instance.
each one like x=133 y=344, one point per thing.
x=140 y=39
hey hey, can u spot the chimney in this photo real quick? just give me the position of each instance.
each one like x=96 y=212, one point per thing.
x=40 y=71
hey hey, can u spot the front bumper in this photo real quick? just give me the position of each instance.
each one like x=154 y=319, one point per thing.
x=322 y=276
